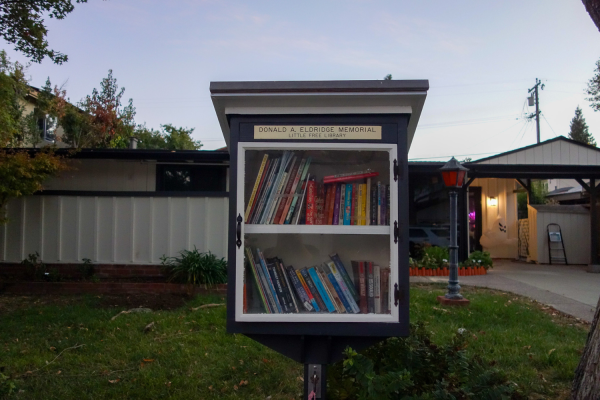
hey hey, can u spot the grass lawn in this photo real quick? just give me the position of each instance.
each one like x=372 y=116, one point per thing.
x=189 y=355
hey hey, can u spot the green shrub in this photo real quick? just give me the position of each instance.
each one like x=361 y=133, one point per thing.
x=479 y=258
x=435 y=257
x=86 y=269
x=195 y=268
x=35 y=269
x=416 y=368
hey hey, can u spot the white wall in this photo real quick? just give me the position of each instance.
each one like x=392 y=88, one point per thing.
x=503 y=190
x=106 y=175
x=574 y=222
x=136 y=230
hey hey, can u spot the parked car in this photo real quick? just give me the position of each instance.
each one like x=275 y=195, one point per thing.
x=432 y=235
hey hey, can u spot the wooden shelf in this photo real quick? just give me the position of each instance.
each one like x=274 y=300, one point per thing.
x=319 y=229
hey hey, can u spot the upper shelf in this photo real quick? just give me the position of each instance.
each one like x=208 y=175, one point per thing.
x=319 y=229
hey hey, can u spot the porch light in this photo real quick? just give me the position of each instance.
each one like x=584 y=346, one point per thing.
x=492 y=202
x=453 y=174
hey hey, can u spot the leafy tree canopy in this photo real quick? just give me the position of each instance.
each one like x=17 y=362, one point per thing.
x=168 y=138
x=593 y=89
x=22 y=173
x=579 y=129
x=388 y=77
x=22 y=24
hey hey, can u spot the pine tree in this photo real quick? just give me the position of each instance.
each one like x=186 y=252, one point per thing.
x=579 y=129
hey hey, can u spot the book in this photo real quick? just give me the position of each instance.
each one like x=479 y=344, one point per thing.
x=344 y=274
x=313 y=288
x=268 y=284
x=345 y=289
x=300 y=206
x=328 y=200
x=387 y=204
x=348 y=205
x=260 y=191
x=320 y=205
x=373 y=194
x=300 y=292
x=266 y=190
x=294 y=191
x=337 y=289
x=385 y=290
x=288 y=286
x=287 y=300
x=321 y=289
x=336 y=205
x=297 y=204
x=359 y=208
x=256 y=186
x=362 y=190
x=312 y=299
x=360 y=276
x=349 y=178
x=311 y=192
x=354 y=203
x=272 y=268
x=383 y=206
x=342 y=204
x=286 y=191
x=276 y=189
x=379 y=203
x=370 y=287
x=257 y=279
x=337 y=303
x=331 y=205
x=377 y=289
x=368 y=203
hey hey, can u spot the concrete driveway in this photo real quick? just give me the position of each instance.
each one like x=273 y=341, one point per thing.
x=567 y=288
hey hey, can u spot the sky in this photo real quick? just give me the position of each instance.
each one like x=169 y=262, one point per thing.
x=480 y=59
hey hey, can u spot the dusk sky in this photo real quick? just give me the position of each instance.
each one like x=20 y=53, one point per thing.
x=480 y=59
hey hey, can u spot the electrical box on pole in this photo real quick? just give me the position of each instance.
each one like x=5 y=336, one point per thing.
x=536 y=97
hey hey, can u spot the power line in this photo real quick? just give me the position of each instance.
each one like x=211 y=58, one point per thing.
x=555 y=134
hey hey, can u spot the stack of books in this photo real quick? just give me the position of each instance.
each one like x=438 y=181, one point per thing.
x=326 y=288
x=284 y=192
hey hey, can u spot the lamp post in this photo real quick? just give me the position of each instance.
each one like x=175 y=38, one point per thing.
x=454 y=175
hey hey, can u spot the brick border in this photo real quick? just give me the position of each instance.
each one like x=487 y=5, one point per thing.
x=38 y=288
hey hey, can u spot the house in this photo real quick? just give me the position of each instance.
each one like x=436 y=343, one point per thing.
x=50 y=131
x=123 y=206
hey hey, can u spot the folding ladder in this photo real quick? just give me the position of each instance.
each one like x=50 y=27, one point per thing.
x=556 y=246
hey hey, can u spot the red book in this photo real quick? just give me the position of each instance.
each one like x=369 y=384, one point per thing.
x=320 y=218
x=349 y=178
x=353 y=219
x=311 y=192
x=328 y=200
x=360 y=282
x=331 y=208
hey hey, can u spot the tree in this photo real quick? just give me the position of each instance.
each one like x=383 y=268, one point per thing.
x=593 y=89
x=169 y=138
x=22 y=24
x=586 y=384
x=21 y=172
x=388 y=77
x=111 y=124
x=593 y=8
x=579 y=129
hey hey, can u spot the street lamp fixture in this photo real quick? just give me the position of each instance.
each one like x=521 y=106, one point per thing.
x=454 y=175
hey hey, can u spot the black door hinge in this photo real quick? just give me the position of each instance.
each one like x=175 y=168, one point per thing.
x=396 y=170
x=396 y=232
x=396 y=294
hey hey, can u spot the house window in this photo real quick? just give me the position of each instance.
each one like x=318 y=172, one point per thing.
x=47 y=127
x=190 y=178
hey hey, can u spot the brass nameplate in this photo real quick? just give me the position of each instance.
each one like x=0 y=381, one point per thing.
x=317 y=132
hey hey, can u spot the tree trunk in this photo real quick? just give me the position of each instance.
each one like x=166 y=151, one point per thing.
x=593 y=8
x=586 y=385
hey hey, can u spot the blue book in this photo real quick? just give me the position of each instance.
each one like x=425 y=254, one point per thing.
x=348 y=205
x=321 y=289
x=339 y=292
x=271 y=288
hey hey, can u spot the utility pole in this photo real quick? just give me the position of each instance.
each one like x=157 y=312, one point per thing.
x=535 y=97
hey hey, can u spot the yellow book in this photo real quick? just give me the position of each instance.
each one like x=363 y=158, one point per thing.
x=256 y=184
x=362 y=191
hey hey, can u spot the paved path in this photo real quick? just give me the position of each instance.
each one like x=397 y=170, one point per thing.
x=567 y=288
